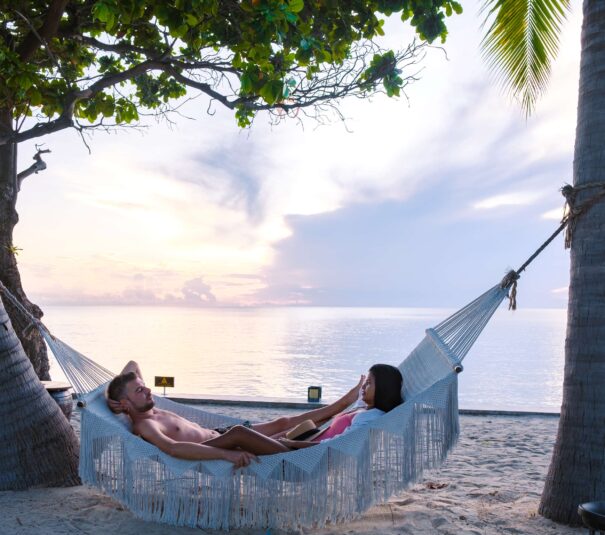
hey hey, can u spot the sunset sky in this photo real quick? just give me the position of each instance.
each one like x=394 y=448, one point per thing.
x=424 y=201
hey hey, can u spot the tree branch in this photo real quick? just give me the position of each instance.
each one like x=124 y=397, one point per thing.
x=34 y=39
x=65 y=120
x=38 y=165
x=203 y=87
x=117 y=48
x=124 y=47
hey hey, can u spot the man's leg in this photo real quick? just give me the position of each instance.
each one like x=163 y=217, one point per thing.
x=248 y=440
x=319 y=416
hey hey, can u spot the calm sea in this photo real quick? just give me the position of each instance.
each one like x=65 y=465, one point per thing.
x=517 y=364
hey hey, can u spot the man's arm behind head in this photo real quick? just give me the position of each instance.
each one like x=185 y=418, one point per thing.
x=132 y=366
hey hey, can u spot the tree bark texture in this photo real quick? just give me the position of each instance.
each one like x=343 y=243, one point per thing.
x=577 y=471
x=30 y=338
x=38 y=447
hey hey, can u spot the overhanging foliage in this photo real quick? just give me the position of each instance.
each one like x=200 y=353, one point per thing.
x=91 y=61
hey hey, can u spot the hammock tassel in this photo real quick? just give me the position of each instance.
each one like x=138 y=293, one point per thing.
x=510 y=282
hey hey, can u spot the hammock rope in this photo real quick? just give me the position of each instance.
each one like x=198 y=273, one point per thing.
x=573 y=211
x=571 y=214
x=83 y=374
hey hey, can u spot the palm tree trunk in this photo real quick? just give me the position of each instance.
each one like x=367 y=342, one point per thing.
x=31 y=340
x=577 y=470
x=38 y=447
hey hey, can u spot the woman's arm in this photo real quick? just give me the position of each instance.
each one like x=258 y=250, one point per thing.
x=277 y=428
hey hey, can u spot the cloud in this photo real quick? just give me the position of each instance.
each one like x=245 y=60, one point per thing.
x=145 y=292
x=248 y=276
x=507 y=199
x=421 y=251
x=230 y=175
x=197 y=292
x=563 y=290
x=554 y=215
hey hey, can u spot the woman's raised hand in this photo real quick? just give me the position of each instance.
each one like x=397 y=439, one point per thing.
x=353 y=394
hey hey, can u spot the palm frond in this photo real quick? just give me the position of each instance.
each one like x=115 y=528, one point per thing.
x=521 y=42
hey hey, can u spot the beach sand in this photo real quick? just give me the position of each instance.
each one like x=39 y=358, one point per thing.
x=490 y=484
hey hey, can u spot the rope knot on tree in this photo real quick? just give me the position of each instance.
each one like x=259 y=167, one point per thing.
x=572 y=210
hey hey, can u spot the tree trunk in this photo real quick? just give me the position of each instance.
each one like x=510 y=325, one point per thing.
x=30 y=338
x=577 y=470
x=38 y=447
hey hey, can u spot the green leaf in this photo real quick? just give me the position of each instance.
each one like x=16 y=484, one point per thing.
x=244 y=116
x=296 y=6
x=291 y=17
x=35 y=97
x=107 y=107
x=101 y=12
x=110 y=22
x=272 y=91
x=23 y=81
x=245 y=83
x=521 y=43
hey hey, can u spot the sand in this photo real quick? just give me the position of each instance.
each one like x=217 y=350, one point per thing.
x=490 y=484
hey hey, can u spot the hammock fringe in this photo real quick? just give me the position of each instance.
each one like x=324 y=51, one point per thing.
x=337 y=483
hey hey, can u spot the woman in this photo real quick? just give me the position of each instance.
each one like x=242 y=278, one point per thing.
x=381 y=392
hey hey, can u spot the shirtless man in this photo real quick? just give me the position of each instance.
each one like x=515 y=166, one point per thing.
x=181 y=438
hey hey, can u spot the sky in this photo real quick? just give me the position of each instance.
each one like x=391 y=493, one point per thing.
x=426 y=200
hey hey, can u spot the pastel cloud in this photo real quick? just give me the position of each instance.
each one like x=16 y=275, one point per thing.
x=197 y=292
x=563 y=290
x=194 y=293
x=507 y=199
x=389 y=254
x=556 y=214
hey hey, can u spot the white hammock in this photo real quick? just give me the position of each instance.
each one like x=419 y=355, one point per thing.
x=331 y=482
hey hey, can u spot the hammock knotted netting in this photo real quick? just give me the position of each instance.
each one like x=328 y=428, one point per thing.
x=334 y=481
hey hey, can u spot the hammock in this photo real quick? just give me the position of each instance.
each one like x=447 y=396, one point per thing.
x=334 y=481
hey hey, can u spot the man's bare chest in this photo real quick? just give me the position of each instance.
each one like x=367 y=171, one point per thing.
x=180 y=429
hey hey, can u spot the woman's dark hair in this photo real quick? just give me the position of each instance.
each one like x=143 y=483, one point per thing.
x=388 y=381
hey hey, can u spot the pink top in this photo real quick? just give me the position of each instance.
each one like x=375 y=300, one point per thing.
x=337 y=427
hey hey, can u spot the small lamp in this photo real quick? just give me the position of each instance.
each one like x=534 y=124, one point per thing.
x=314 y=394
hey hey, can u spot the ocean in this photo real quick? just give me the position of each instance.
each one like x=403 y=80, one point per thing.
x=517 y=363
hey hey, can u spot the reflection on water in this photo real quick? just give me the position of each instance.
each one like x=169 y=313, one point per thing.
x=516 y=365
